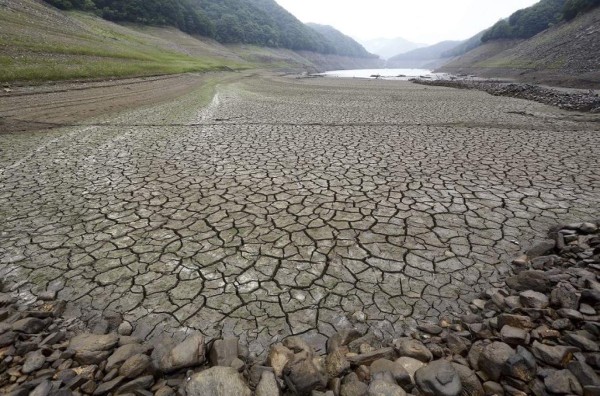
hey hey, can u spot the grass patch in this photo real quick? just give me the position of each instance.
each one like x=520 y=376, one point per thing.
x=87 y=47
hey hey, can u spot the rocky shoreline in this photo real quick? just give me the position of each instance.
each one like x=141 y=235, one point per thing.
x=537 y=335
x=584 y=102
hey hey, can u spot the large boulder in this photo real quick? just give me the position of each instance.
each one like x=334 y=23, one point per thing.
x=493 y=358
x=217 y=381
x=529 y=280
x=168 y=356
x=439 y=378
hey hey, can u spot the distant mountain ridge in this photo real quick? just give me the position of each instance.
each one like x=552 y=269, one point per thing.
x=389 y=47
x=258 y=22
x=423 y=58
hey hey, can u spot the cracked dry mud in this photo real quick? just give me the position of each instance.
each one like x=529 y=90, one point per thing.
x=291 y=206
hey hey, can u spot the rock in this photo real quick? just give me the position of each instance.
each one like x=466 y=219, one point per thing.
x=533 y=299
x=570 y=314
x=368 y=358
x=411 y=365
x=43 y=389
x=541 y=249
x=137 y=384
x=493 y=388
x=167 y=391
x=351 y=386
x=217 y=381
x=529 y=280
x=223 y=352
x=474 y=353
x=584 y=373
x=342 y=338
x=383 y=388
x=107 y=387
x=471 y=386
x=558 y=356
x=398 y=373
x=336 y=363
x=302 y=375
x=93 y=342
x=564 y=295
x=518 y=321
x=588 y=228
x=438 y=378
x=407 y=347
x=125 y=329
x=123 y=353
x=238 y=364
x=278 y=357
x=582 y=342
x=267 y=385
x=91 y=357
x=297 y=344
x=521 y=366
x=514 y=336
x=189 y=353
x=135 y=366
x=33 y=362
x=458 y=345
x=587 y=309
x=430 y=328
x=493 y=358
x=29 y=325
x=563 y=382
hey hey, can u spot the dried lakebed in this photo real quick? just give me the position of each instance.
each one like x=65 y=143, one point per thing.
x=290 y=206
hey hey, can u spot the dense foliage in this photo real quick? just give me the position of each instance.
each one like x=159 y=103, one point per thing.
x=260 y=22
x=179 y=13
x=530 y=21
x=573 y=8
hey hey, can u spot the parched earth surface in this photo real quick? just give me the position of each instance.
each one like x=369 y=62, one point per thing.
x=290 y=206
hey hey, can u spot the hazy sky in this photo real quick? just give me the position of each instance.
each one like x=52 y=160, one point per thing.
x=425 y=21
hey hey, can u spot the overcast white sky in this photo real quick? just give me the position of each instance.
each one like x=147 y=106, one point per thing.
x=424 y=21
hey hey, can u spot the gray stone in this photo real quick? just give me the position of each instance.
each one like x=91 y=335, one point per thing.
x=302 y=375
x=529 y=280
x=278 y=358
x=584 y=373
x=397 y=371
x=563 y=382
x=351 y=386
x=533 y=299
x=558 y=356
x=407 y=347
x=564 y=295
x=411 y=365
x=336 y=363
x=471 y=386
x=438 y=378
x=168 y=357
x=493 y=358
x=217 y=381
x=93 y=342
x=135 y=366
x=123 y=353
x=582 y=342
x=125 y=329
x=493 y=388
x=223 y=352
x=43 y=389
x=137 y=384
x=458 y=345
x=267 y=386
x=29 y=325
x=33 y=362
x=382 y=388
x=107 y=387
x=521 y=366
x=514 y=336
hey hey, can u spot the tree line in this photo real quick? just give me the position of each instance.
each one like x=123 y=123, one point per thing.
x=259 y=22
x=530 y=21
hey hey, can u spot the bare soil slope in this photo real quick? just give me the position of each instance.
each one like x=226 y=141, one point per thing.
x=567 y=54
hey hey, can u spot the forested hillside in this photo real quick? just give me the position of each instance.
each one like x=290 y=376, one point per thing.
x=342 y=44
x=530 y=21
x=259 y=22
